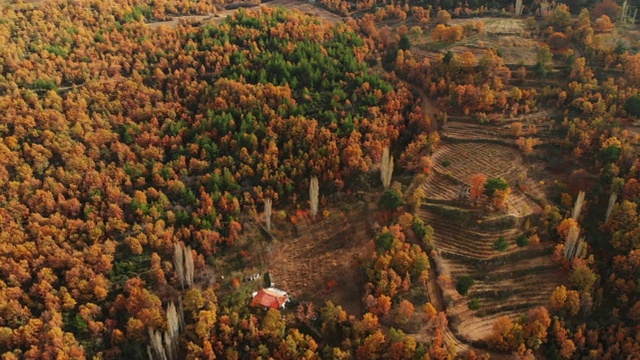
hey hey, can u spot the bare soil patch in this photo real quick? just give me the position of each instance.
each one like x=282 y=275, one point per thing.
x=320 y=260
x=504 y=26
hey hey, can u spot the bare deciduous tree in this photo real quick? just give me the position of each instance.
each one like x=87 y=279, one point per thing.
x=571 y=242
x=173 y=325
x=518 y=7
x=156 y=344
x=167 y=350
x=314 y=191
x=169 y=346
x=178 y=260
x=188 y=266
x=183 y=260
x=267 y=212
x=577 y=208
x=386 y=168
x=612 y=201
x=181 y=312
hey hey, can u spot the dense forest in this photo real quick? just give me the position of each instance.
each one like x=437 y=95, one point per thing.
x=136 y=161
x=120 y=141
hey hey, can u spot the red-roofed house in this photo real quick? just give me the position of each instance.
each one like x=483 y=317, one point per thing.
x=270 y=298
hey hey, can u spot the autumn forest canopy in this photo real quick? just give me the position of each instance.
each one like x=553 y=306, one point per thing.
x=147 y=172
x=120 y=140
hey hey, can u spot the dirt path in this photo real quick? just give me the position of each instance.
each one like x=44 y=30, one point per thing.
x=428 y=106
x=436 y=299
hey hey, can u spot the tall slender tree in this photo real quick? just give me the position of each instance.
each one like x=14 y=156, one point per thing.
x=314 y=191
x=267 y=212
x=577 y=208
x=612 y=201
x=173 y=330
x=155 y=336
x=178 y=260
x=386 y=168
x=188 y=266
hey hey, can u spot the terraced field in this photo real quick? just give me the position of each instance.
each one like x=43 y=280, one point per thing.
x=470 y=132
x=455 y=164
x=460 y=161
x=506 y=283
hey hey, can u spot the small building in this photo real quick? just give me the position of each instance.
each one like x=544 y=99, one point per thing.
x=270 y=298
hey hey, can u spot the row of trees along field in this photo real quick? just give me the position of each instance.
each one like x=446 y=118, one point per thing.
x=119 y=141
x=596 y=315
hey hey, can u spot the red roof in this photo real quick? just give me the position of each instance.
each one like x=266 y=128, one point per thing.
x=270 y=297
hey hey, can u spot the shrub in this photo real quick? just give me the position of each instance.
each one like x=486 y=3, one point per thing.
x=522 y=240
x=419 y=227
x=446 y=163
x=474 y=304
x=463 y=285
x=390 y=200
x=423 y=231
x=494 y=184
x=501 y=244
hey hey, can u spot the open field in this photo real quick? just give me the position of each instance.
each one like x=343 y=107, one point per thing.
x=320 y=260
x=307 y=8
x=302 y=6
x=507 y=35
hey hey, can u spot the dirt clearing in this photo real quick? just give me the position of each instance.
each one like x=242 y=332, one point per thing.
x=307 y=8
x=320 y=260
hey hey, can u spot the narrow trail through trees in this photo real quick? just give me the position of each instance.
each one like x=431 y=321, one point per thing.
x=429 y=108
